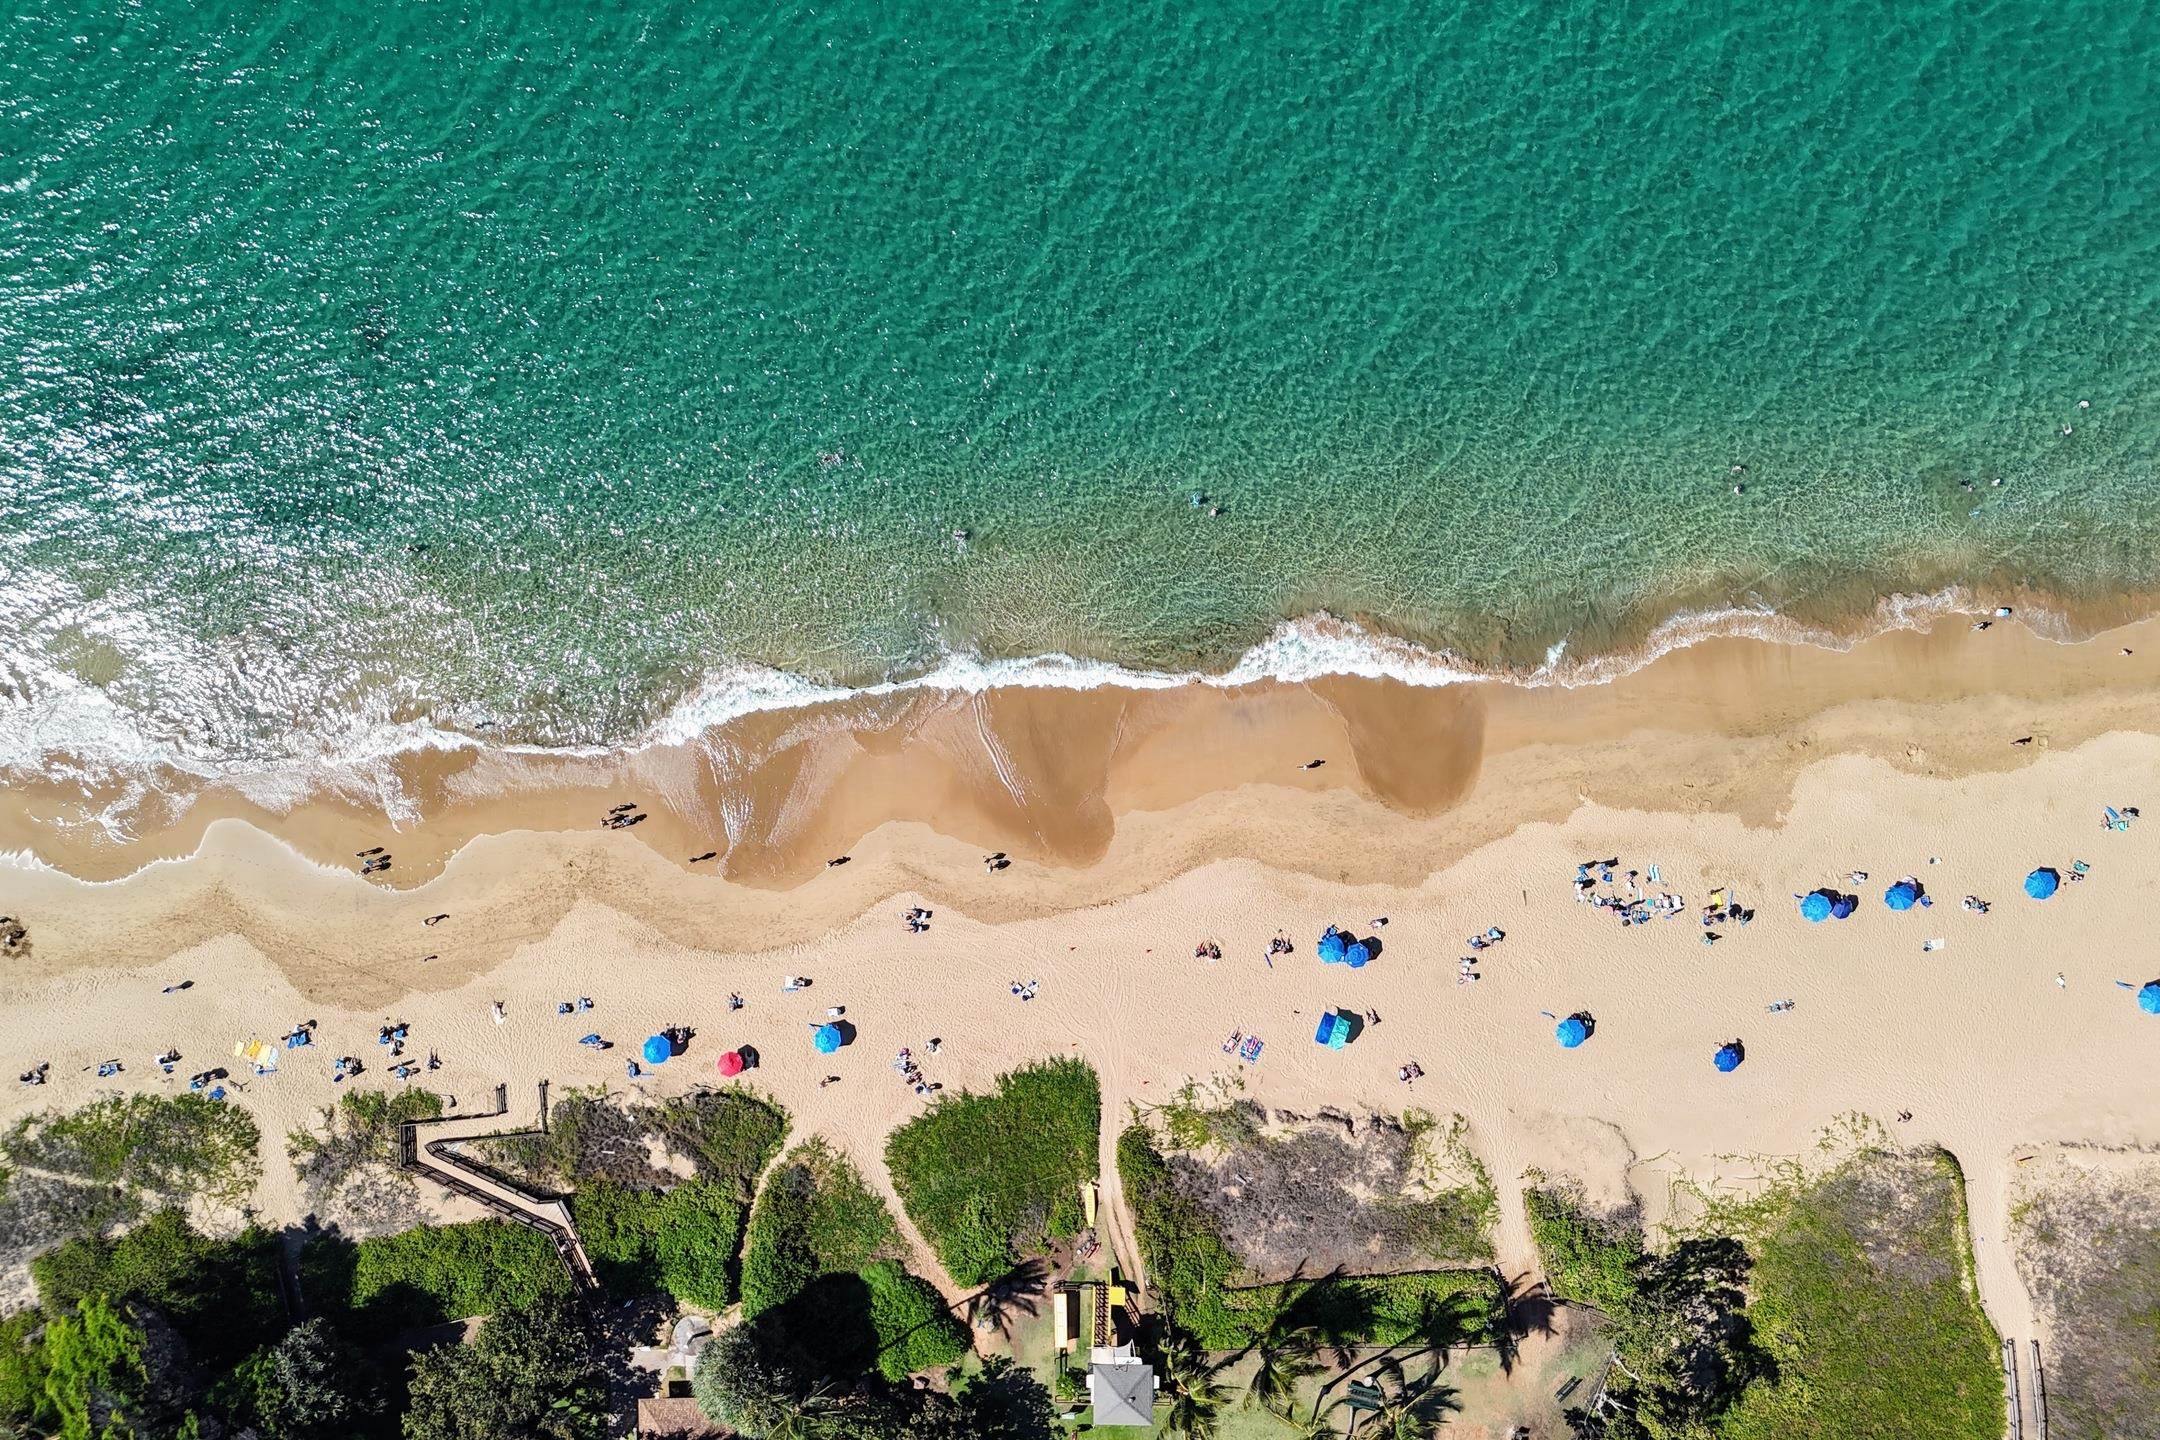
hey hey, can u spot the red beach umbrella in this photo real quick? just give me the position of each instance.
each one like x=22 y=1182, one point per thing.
x=731 y=1063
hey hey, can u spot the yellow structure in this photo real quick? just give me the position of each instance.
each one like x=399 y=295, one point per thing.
x=1065 y=1315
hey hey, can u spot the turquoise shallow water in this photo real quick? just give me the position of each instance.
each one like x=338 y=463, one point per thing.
x=524 y=368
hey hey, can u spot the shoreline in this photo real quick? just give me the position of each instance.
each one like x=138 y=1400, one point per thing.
x=1047 y=773
x=92 y=799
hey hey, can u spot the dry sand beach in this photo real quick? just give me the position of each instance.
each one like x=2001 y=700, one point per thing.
x=1143 y=824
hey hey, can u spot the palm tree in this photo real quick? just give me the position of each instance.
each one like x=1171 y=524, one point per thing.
x=1287 y=1349
x=1411 y=1409
x=1315 y=1426
x=1197 y=1396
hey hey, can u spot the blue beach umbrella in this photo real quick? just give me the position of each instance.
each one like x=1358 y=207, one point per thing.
x=2149 y=997
x=1356 y=956
x=2043 y=882
x=827 y=1039
x=1728 y=1058
x=1571 y=1032
x=1332 y=947
x=1901 y=896
x=658 y=1050
x=1842 y=907
x=1815 y=906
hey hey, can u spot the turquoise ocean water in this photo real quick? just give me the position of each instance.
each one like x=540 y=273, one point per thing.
x=532 y=370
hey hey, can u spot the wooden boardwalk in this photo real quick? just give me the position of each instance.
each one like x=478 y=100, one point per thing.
x=434 y=1159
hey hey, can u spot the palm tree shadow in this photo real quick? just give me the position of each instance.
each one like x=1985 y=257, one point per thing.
x=1015 y=1295
x=1526 y=1308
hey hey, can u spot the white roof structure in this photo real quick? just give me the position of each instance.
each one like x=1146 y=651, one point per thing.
x=1121 y=1386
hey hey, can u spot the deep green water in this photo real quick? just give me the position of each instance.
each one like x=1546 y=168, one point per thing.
x=536 y=365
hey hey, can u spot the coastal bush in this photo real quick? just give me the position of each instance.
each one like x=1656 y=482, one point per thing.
x=1684 y=1348
x=1863 y=1298
x=359 y=1132
x=681 y=1240
x=172 y=1148
x=532 y=1372
x=727 y=1137
x=220 y=1296
x=730 y=1136
x=2088 y=1248
x=1194 y=1276
x=814 y=1216
x=1188 y=1265
x=1587 y=1260
x=915 y=1332
x=97 y=1375
x=22 y=1370
x=822 y=1281
x=311 y=1383
x=748 y=1381
x=87 y=1171
x=987 y=1177
x=431 y=1274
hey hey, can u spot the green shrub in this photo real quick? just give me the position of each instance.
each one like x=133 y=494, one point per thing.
x=820 y=1282
x=175 y=1148
x=988 y=1177
x=359 y=1132
x=22 y=1371
x=221 y=1296
x=1188 y=1265
x=87 y=1171
x=915 y=1332
x=1586 y=1260
x=728 y=1137
x=813 y=1217
x=432 y=1274
x=1863 y=1298
x=681 y=1240
x=1194 y=1275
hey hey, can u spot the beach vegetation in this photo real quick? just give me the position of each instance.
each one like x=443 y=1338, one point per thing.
x=814 y=1216
x=914 y=1330
x=681 y=1240
x=724 y=1137
x=1862 y=1299
x=1840 y=1291
x=96 y=1373
x=358 y=1133
x=311 y=1383
x=220 y=1296
x=822 y=1269
x=1683 y=1347
x=430 y=1274
x=2088 y=1247
x=756 y=1390
x=106 y=1164
x=532 y=1372
x=987 y=1178
x=1204 y=1292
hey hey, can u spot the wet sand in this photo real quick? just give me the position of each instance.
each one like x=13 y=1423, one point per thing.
x=1140 y=823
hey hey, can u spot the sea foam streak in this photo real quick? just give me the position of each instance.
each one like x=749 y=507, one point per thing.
x=73 y=732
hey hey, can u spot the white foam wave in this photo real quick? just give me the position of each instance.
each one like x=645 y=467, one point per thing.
x=73 y=732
